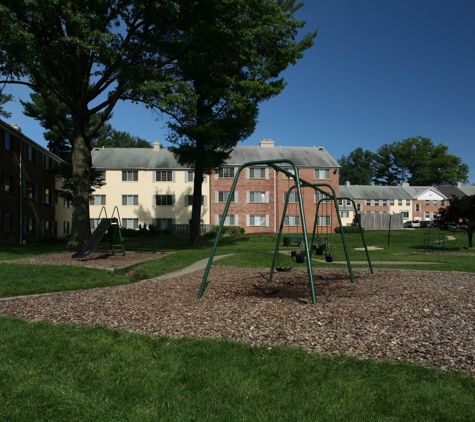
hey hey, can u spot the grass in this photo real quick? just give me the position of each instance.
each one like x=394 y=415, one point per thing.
x=66 y=372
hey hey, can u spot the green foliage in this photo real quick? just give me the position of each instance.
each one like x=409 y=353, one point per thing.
x=358 y=167
x=460 y=213
x=349 y=229
x=226 y=231
x=5 y=98
x=414 y=160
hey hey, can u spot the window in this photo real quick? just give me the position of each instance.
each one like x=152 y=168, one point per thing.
x=391 y=202
x=190 y=176
x=427 y=202
x=405 y=214
x=7 y=141
x=164 y=176
x=226 y=172
x=408 y=202
x=427 y=215
x=258 y=220
x=189 y=200
x=320 y=196
x=292 y=220
x=30 y=190
x=368 y=202
x=66 y=227
x=97 y=200
x=358 y=207
x=130 y=176
x=7 y=183
x=345 y=214
x=442 y=203
x=47 y=196
x=385 y=202
x=101 y=175
x=94 y=222
x=434 y=202
x=164 y=200
x=130 y=223
x=376 y=202
x=399 y=202
x=258 y=197
x=66 y=203
x=290 y=170
x=30 y=153
x=47 y=228
x=223 y=196
x=257 y=172
x=322 y=173
x=323 y=220
x=293 y=197
x=418 y=207
x=47 y=160
x=30 y=225
x=230 y=220
x=130 y=199
x=163 y=223
x=7 y=222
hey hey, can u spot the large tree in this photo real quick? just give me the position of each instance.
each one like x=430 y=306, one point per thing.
x=386 y=171
x=231 y=55
x=421 y=163
x=459 y=213
x=358 y=167
x=87 y=54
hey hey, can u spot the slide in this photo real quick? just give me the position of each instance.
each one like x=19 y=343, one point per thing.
x=94 y=240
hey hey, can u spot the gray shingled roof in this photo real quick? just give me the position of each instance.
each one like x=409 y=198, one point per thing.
x=468 y=190
x=376 y=192
x=415 y=191
x=317 y=157
x=145 y=158
x=133 y=158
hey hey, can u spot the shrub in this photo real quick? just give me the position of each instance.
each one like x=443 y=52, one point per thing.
x=349 y=229
x=227 y=231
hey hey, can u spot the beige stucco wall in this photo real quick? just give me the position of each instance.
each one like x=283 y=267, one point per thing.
x=146 y=188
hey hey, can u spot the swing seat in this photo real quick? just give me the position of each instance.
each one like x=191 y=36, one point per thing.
x=298 y=256
x=318 y=249
x=283 y=269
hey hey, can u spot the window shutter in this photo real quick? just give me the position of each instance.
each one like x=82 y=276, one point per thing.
x=267 y=220
x=216 y=175
x=186 y=200
x=236 y=196
x=216 y=197
x=216 y=220
x=248 y=197
x=173 y=199
x=267 y=172
x=205 y=200
x=248 y=220
x=267 y=197
x=248 y=173
x=236 y=220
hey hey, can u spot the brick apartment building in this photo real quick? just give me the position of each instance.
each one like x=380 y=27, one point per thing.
x=27 y=191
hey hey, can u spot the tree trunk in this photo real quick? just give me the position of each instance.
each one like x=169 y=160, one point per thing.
x=470 y=236
x=196 y=209
x=82 y=163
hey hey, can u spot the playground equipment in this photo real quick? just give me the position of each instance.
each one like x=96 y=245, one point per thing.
x=111 y=226
x=304 y=255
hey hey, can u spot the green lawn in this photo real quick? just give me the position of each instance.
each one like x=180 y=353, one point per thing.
x=64 y=372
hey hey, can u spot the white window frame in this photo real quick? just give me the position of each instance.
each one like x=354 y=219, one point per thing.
x=97 y=200
x=130 y=200
x=230 y=220
x=322 y=174
x=257 y=220
x=130 y=223
x=164 y=176
x=257 y=197
x=226 y=173
x=292 y=220
x=169 y=199
x=222 y=197
x=130 y=175
x=323 y=221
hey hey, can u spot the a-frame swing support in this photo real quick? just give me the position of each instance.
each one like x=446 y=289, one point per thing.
x=298 y=185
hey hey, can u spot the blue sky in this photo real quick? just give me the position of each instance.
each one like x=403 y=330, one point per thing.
x=380 y=71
